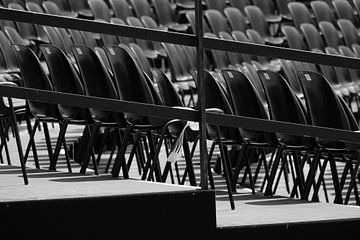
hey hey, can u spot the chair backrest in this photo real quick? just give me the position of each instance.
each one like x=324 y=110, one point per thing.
x=121 y=9
x=216 y=97
x=294 y=38
x=77 y=37
x=250 y=71
x=354 y=73
x=100 y=9
x=266 y=6
x=65 y=79
x=236 y=19
x=124 y=40
x=300 y=14
x=5 y=46
x=26 y=30
x=349 y=32
x=289 y=73
x=246 y=103
x=322 y=103
x=257 y=20
x=54 y=37
x=167 y=90
x=144 y=44
x=330 y=34
x=62 y=4
x=217 y=21
x=15 y=37
x=342 y=74
x=35 y=7
x=234 y=58
x=240 y=4
x=142 y=60
x=312 y=36
x=220 y=59
x=164 y=13
x=96 y=81
x=344 y=10
x=216 y=4
x=322 y=12
x=51 y=8
x=33 y=76
x=283 y=103
x=241 y=37
x=89 y=39
x=81 y=7
x=129 y=79
x=190 y=16
x=7 y=2
x=142 y=8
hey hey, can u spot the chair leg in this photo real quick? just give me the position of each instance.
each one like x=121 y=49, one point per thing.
x=60 y=140
x=335 y=178
x=47 y=139
x=238 y=166
x=320 y=180
x=352 y=184
x=120 y=161
x=31 y=141
x=274 y=169
x=33 y=145
x=188 y=161
x=87 y=153
x=68 y=164
x=312 y=173
x=226 y=168
x=18 y=142
x=211 y=178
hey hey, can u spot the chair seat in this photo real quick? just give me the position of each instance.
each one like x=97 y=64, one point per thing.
x=277 y=41
x=273 y=18
x=178 y=27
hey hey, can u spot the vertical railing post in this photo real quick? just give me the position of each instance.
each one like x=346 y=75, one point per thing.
x=201 y=93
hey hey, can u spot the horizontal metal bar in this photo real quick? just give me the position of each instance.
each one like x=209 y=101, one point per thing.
x=99 y=103
x=281 y=52
x=282 y=127
x=97 y=27
x=178 y=113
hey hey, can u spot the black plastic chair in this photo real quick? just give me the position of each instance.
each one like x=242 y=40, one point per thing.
x=100 y=10
x=254 y=144
x=146 y=45
x=236 y=19
x=269 y=10
x=132 y=86
x=142 y=59
x=26 y=30
x=190 y=16
x=98 y=83
x=217 y=21
x=300 y=14
x=344 y=10
x=219 y=59
x=11 y=62
x=240 y=4
x=65 y=79
x=293 y=37
x=235 y=58
x=121 y=9
x=241 y=36
x=331 y=35
x=258 y=23
x=16 y=38
x=216 y=4
x=34 y=76
x=349 y=32
x=285 y=106
x=34 y=7
x=142 y=8
x=82 y=8
x=312 y=36
x=323 y=12
x=167 y=17
x=51 y=7
x=326 y=110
